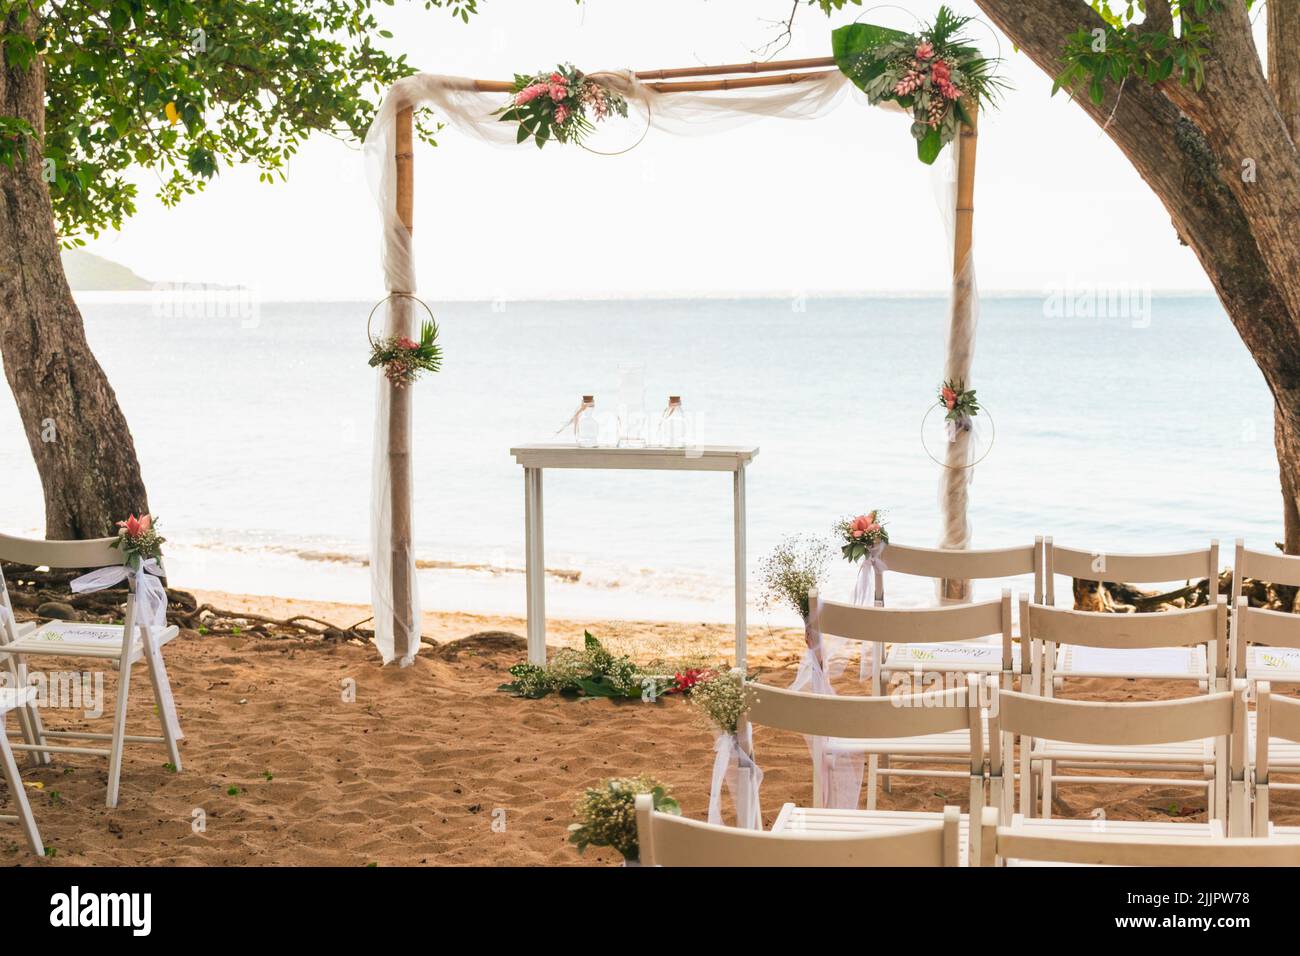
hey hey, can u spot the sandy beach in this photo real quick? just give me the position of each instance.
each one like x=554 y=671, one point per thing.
x=431 y=764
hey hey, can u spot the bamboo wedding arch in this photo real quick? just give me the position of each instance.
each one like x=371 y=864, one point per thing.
x=682 y=100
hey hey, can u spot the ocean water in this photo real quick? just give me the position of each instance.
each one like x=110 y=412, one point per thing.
x=1112 y=432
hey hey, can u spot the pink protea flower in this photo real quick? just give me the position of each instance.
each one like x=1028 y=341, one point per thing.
x=925 y=51
x=561 y=115
x=941 y=72
x=949 y=398
x=559 y=91
x=406 y=343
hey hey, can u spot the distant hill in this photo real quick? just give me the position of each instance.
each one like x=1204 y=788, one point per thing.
x=88 y=272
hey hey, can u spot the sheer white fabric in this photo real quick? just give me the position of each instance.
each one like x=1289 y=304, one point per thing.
x=825 y=659
x=457 y=102
x=734 y=767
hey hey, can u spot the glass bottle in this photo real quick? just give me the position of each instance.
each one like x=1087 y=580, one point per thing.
x=672 y=430
x=632 y=418
x=585 y=427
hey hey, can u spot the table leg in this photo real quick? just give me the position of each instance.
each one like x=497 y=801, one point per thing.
x=535 y=568
x=739 y=500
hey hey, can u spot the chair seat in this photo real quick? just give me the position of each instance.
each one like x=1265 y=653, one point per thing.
x=1127 y=829
x=73 y=638
x=954 y=743
x=1277 y=664
x=794 y=819
x=1170 y=663
x=1179 y=752
x=26 y=626
x=14 y=697
x=980 y=657
x=1283 y=755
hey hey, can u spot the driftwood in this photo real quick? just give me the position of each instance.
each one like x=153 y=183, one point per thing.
x=46 y=593
x=1126 y=599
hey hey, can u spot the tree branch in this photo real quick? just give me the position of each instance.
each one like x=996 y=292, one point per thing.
x=1284 y=62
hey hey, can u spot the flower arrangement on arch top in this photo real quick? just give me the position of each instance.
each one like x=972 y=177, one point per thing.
x=564 y=104
x=403 y=358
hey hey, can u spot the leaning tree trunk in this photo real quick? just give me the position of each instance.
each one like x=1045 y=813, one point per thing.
x=78 y=435
x=1226 y=167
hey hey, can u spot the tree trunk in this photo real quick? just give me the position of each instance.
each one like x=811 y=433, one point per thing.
x=78 y=435
x=1194 y=149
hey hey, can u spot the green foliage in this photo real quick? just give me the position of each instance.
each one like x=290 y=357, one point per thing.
x=591 y=672
x=607 y=813
x=1098 y=57
x=185 y=88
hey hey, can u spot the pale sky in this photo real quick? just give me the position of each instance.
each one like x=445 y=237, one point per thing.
x=837 y=204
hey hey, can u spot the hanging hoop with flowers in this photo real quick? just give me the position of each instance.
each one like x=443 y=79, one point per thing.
x=401 y=357
x=564 y=105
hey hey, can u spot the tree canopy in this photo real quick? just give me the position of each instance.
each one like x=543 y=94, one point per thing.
x=184 y=88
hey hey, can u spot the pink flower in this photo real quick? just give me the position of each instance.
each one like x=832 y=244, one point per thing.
x=134 y=527
x=555 y=78
x=529 y=93
x=925 y=51
x=949 y=397
x=864 y=525
x=561 y=114
x=940 y=72
x=559 y=91
x=406 y=343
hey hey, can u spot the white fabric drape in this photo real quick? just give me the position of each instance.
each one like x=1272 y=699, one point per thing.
x=825 y=659
x=457 y=103
x=734 y=767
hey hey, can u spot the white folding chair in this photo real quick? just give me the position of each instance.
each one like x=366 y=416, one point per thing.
x=1265 y=644
x=874 y=725
x=1020 y=845
x=956 y=640
x=986 y=564
x=1048 y=629
x=1164 y=663
x=12 y=698
x=1262 y=566
x=103 y=642
x=1274 y=749
x=668 y=840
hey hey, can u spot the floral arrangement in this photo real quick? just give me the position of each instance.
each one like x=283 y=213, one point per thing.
x=960 y=403
x=934 y=74
x=719 y=697
x=565 y=105
x=796 y=566
x=590 y=672
x=403 y=359
x=608 y=813
x=861 y=534
x=139 y=540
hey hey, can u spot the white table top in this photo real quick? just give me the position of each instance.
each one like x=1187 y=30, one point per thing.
x=694 y=458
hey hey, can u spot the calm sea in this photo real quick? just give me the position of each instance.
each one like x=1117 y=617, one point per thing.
x=253 y=425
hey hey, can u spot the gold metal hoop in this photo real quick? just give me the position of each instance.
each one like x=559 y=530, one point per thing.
x=395 y=295
x=640 y=139
x=993 y=434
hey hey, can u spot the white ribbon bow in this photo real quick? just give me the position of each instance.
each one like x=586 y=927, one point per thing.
x=150 y=595
x=736 y=768
x=870 y=589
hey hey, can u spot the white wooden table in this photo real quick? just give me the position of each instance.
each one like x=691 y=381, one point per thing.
x=536 y=458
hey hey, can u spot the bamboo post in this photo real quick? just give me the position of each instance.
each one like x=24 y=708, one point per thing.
x=399 y=418
x=961 y=351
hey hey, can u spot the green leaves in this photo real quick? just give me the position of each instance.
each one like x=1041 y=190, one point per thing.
x=1102 y=57
x=248 y=80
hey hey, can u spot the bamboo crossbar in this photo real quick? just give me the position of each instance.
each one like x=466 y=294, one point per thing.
x=771 y=66
x=690 y=86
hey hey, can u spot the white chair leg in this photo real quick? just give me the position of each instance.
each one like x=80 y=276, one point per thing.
x=24 y=809
x=1045 y=784
x=162 y=695
x=886 y=780
x=119 y=726
x=872 y=779
x=29 y=717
